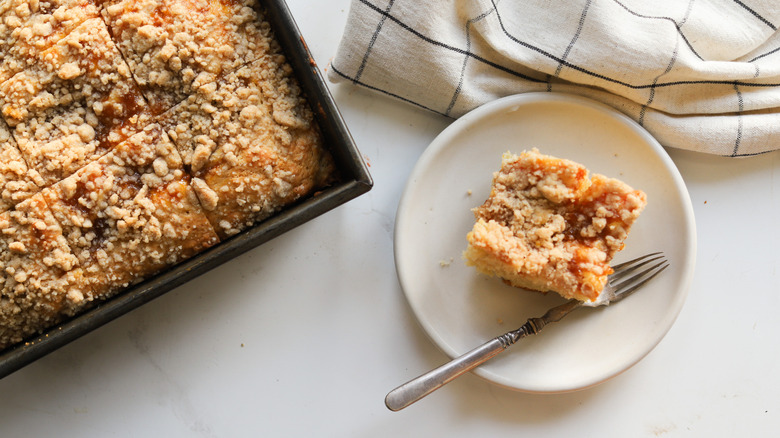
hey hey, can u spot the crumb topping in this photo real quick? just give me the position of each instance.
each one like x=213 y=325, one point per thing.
x=95 y=194
x=29 y=27
x=548 y=226
x=251 y=141
x=172 y=46
x=131 y=213
x=73 y=105
x=17 y=181
x=41 y=281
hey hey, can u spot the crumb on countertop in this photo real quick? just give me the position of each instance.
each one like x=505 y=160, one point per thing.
x=446 y=263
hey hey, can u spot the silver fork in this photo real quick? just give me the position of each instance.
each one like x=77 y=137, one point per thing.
x=627 y=279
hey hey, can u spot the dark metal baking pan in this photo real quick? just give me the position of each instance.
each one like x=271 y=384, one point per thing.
x=354 y=181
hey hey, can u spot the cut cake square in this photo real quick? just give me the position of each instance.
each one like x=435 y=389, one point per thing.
x=172 y=46
x=74 y=105
x=41 y=281
x=547 y=226
x=17 y=182
x=28 y=28
x=131 y=213
x=251 y=144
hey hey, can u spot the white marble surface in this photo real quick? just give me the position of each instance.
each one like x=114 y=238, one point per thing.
x=305 y=335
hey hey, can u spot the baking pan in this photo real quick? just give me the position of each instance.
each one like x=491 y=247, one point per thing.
x=354 y=180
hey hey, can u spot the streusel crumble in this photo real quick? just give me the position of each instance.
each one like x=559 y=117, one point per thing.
x=74 y=104
x=131 y=213
x=29 y=27
x=548 y=226
x=172 y=46
x=249 y=163
x=17 y=181
x=40 y=280
x=135 y=134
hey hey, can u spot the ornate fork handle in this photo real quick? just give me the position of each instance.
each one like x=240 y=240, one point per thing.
x=418 y=388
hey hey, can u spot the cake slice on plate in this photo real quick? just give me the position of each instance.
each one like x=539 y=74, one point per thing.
x=548 y=226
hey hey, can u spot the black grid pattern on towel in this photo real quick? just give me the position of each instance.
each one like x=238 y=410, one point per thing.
x=675 y=54
x=756 y=14
x=466 y=58
x=683 y=43
x=373 y=41
x=574 y=39
x=613 y=80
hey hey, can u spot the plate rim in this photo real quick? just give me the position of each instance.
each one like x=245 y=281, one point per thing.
x=439 y=143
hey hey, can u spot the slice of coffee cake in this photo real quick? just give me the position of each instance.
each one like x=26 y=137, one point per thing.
x=547 y=226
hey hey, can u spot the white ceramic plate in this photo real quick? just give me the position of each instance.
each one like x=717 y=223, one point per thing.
x=460 y=309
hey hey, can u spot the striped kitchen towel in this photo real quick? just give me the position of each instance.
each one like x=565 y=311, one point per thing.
x=701 y=75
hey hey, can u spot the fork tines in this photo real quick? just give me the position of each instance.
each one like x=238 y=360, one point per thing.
x=657 y=262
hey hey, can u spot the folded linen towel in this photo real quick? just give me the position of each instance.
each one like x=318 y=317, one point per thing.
x=701 y=75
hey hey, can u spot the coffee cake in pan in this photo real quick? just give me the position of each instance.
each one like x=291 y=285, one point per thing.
x=73 y=104
x=172 y=46
x=18 y=182
x=29 y=27
x=135 y=134
x=248 y=142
